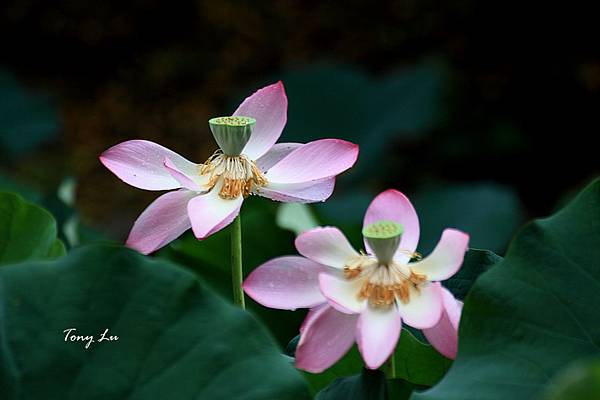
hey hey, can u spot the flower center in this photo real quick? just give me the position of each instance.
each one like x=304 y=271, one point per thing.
x=384 y=281
x=240 y=175
x=383 y=284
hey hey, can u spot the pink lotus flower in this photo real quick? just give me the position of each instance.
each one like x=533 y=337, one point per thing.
x=363 y=298
x=248 y=162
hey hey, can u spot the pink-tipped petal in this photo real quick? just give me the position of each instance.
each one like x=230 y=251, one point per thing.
x=392 y=205
x=286 y=283
x=326 y=245
x=314 y=161
x=444 y=335
x=326 y=336
x=305 y=192
x=446 y=258
x=269 y=107
x=424 y=307
x=140 y=163
x=189 y=182
x=342 y=294
x=277 y=153
x=377 y=334
x=162 y=222
x=209 y=213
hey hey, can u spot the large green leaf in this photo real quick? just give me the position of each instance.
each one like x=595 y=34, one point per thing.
x=476 y=262
x=26 y=231
x=368 y=385
x=578 y=381
x=417 y=362
x=532 y=313
x=177 y=340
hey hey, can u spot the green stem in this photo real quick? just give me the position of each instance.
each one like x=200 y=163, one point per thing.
x=236 y=262
x=390 y=367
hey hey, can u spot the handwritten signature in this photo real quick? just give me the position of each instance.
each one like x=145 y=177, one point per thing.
x=71 y=336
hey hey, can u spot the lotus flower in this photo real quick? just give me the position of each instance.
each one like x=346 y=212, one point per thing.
x=210 y=194
x=365 y=297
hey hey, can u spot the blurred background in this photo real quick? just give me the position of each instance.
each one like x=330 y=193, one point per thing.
x=484 y=113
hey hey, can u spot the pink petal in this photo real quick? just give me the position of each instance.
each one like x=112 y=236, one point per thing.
x=188 y=182
x=444 y=335
x=377 y=334
x=446 y=258
x=305 y=192
x=269 y=107
x=326 y=336
x=392 y=205
x=424 y=308
x=140 y=163
x=162 y=222
x=311 y=314
x=210 y=213
x=286 y=283
x=327 y=246
x=342 y=294
x=276 y=154
x=314 y=161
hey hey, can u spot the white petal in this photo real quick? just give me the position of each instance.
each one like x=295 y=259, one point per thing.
x=446 y=258
x=327 y=246
x=342 y=294
x=377 y=334
x=210 y=213
x=424 y=308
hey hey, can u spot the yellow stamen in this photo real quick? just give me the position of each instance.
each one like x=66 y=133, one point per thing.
x=414 y=255
x=240 y=175
x=383 y=284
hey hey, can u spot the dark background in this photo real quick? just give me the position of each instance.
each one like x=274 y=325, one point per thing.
x=480 y=111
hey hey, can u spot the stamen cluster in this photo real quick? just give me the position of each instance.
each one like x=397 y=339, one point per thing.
x=240 y=175
x=383 y=283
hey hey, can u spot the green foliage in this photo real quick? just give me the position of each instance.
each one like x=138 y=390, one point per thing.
x=399 y=389
x=27 y=120
x=296 y=217
x=476 y=263
x=417 y=362
x=579 y=381
x=350 y=364
x=27 y=232
x=61 y=204
x=176 y=339
x=534 y=312
x=369 y=384
x=490 y=213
